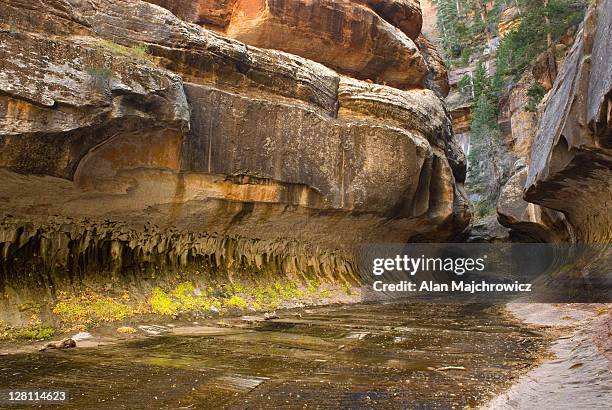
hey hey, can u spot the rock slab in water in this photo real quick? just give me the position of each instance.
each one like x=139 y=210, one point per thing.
x=62 y=344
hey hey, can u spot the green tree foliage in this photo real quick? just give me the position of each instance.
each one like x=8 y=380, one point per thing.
x=465 y=87
x=464 y=24
x=467 y=28
x=541 y=22
x=485 y=108
x=488 y=160
x=469 y=23
x=449 y=25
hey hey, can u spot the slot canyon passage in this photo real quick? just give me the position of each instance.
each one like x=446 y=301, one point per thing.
x=185 y=187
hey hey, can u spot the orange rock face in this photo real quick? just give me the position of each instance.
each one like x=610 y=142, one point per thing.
x=203 y=134
x=207 y=153
x=366 y=39
x=437 y=77
x=343 y=35
x=403 y=14
x=214 y=13
x=508 y=21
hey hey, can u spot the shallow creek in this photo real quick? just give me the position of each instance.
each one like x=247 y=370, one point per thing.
x=356 y=356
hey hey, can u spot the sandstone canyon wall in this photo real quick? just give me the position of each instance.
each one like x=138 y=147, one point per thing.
x=554 y=156
x=132 y=141
x=529 y=221
x=563 y=190
x=571 y=159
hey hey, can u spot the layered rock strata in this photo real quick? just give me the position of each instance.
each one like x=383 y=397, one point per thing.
x=374 y=40
x=132 y=141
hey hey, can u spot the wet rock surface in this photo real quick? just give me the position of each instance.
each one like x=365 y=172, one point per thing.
x=437 y=76
x=578 y=374
x=383 y=356
x=529 y=222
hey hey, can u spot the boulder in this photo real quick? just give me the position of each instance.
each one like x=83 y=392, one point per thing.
x=345 y=36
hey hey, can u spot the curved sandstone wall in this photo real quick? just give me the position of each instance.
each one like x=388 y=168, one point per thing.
x=132 y=140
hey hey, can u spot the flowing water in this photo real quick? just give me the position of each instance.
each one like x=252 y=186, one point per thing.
x=357 y=356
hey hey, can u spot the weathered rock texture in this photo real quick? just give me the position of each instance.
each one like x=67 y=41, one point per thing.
x=571 y=160
x=437 y=76
x=508 y=21
x=376 y=40
x=206 y=151
x=529 y=222
x=343 y=35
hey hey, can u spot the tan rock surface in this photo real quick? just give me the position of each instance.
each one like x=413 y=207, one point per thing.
x=529 y=222
x=203 y=151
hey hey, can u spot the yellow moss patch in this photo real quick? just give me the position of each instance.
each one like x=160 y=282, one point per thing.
x=183 y=298
x=326 y=294
x=271 y=297
x=34 y=333
x=90 y=307
x=4 y=330
x=236 y=302
x=161 y=303
x=313 y=287
x=346 y=288
x=138 y=51
x=31 y=332
x=35 y=330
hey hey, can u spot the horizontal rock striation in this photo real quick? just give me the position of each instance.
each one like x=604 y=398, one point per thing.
x=133 y=141
x=571 y=159
x=345 y=36
x=374 y=40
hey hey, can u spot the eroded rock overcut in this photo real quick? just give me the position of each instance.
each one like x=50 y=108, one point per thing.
x=132 y=140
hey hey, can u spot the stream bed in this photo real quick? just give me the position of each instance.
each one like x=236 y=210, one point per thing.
x=353 y=356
